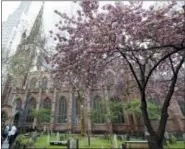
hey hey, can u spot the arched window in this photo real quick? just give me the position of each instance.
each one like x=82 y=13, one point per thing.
x=33 y=83
x=110 y=79
x=17 y=104
x=62 y=110
x=76 y=111
x=47 y=103
x=44 y=83
x=182 y=106
x=56 y=83
x=99 y=110
x=31 y=106
x=116 y=110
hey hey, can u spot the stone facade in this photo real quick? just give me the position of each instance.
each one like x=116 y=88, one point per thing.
x=72 y=120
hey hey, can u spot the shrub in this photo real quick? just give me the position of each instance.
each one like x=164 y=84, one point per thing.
x=22 y=142
x=172 y=139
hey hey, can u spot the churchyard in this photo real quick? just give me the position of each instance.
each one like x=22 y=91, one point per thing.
x=41 y=140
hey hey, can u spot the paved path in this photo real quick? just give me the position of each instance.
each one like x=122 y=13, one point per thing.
x=5 y=144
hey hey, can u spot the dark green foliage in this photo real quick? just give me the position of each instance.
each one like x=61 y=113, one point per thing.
x=42 y=115
x=172 y=139
x=22 y=142
x=98 y=115
x=133 y=107
x=115 y=114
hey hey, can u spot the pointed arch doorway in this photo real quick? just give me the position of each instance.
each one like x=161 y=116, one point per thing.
x=17 y=111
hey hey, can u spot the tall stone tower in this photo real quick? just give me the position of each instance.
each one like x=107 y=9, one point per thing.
x=33 y=44
x=26 y=57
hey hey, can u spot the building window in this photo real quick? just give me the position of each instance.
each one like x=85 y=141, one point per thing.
x=62 y=110
x=77 y=112
x=31 y=106
x=33 y=83
x=17 y=104
x=47 y=103
x=99 y=111
x=110 y=79
x=44 y=83
x=182 y=106
x=116 y=109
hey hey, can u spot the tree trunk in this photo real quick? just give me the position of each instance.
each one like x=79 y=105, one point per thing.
x=154 y=143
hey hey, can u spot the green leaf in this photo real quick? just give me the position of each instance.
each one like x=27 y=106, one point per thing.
x=133 y=107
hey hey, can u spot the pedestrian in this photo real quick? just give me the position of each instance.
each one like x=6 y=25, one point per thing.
x=12 y=135
x=5 y=132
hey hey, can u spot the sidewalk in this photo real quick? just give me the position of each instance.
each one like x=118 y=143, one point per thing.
x=5 y=144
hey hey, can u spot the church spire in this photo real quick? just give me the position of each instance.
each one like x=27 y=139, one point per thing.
x=36 y=31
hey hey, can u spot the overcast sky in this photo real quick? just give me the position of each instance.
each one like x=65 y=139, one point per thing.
x=50 y=18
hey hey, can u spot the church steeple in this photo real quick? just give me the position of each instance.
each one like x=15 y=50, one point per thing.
x=36 y=31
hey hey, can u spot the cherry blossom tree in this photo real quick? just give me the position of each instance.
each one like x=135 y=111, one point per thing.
x=144 y=39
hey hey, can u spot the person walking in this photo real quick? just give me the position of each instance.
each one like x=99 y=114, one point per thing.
x=12 y=135
x=5 y=132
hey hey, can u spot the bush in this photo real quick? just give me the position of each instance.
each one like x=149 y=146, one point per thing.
x=172 y=139
x=22 y=142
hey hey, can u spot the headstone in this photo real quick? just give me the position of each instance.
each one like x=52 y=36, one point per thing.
x=122 y=137
x=73 y=144
x=183 y=136
x=166 y=136
x=89 y=141
x=146 y=134
x=115 y=141
x=48 y=139
x=44 y=130
x=58 y=137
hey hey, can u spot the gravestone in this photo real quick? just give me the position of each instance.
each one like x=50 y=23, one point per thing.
x=58 y=137
x=166 y=136
x=183 y=136
x=123 y=137
x=146 y=134
x=48 y=139
x=115 y=141
x=73 y=144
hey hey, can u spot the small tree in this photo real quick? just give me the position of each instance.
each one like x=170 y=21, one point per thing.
x=133 y=107
x=113 y=113
x=42 y=116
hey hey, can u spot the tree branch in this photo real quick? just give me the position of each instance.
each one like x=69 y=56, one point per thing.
x=132 y=69
x=164 y=110
x=171 y=62
x=162 y=59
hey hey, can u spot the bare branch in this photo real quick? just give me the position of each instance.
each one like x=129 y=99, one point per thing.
x=132 y=69
x=172 y=66
x=161 y=60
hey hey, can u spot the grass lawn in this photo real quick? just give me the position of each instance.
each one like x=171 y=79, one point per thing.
x=180 y=145
x=96 y=142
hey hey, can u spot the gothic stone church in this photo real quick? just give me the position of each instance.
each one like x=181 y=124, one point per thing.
x=65 y=108
x=64 y=105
